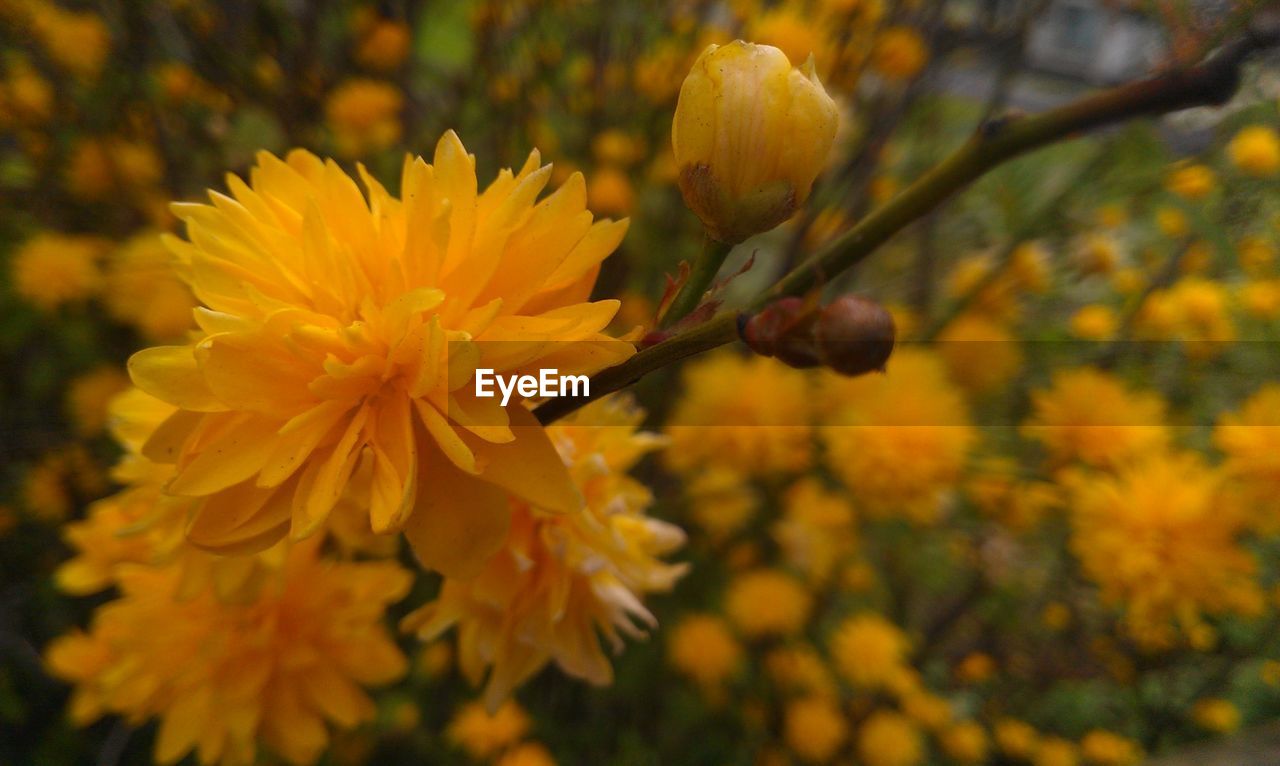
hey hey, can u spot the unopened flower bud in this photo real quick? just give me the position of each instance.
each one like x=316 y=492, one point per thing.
x=750 y=135
x=784 y=330
x=854 y=335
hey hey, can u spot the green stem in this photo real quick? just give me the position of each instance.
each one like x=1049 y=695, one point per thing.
x=705 y=268
x=1211 y=82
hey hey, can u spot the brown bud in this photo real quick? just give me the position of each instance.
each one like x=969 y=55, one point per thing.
x=784 y=330
x=854 y=335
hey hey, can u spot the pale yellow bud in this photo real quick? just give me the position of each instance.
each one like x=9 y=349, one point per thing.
x=750 y=135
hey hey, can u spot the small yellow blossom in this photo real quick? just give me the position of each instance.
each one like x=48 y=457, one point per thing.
x=484 y=734
x=721 y=502
x=1172 y=222
x=750 y=135
x=1104 y=748
x=749 y=414
x=814 y=729
x=817 y=529
x=364 y=116
x=975 y=668
x=142 y=289
x=800 y=670
x=890 y=739
x=1193 y=181
x=610 y=192
x=702 y=647
x=899 y=53
x=77 y=41
x=982 y=354
x=88 y=396
x=1256 y=150
x=965 y=742
x=1095 y=322
x=1091 y=416
x=1216 y=715
x=1014 y=738
x=527 y=754
x=767 y=602
x=383 y=45
x=51 y=270
x=1055 y=751
x=868 y=650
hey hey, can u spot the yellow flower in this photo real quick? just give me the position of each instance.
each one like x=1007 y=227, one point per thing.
x=142 y=289
x=1158 y=540
x=868 y=650
x=1015 y=738
x=527 y=754
x=1097 y=253
x=923 y=707
x=1217 y=715
x=1250 y=441
x=1095 y=322
x=101 y=167
x=364 y=116
x=1192 y=181
x=720 y=502
x=817 y=529
x=767 y=602
x=50 y=270
x=750 y=135
x=45 y=494
x=750 y=414
x=890 y=739
x=384 y=45
x=1256 y=254
x=339 y=338
x=1172 y=222
x=1090 y=416
x=702 y=647
x=972 y=280
x=799 y=669
x=485 y=733
x=965 y=742
x=898 y=441
x=1055 y=751
x=1255 y=150
x=76 y=41
x=981 y=353
x=88 y=396
x=814 y=729
x=975 y=668
x=559 y=579
x=1103 y=748
x=796 y=36
x=899 y=53
x=27 y=98
x=280 y=669
x=610 y=192
x=1029 y=266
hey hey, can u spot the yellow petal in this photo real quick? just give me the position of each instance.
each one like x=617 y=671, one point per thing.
x=170 y=373
x=529 y=467
x=236 y=454
x=458 y=521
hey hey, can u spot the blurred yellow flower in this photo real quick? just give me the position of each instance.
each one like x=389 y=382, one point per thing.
x=800 y=669
x=1096 y=321
x=1256 y=254
x=798 y=37
x=965 y=742
x=77 y=41
x=610 y=192
x=1055 y=751
x=1250 y=441
x=750 y=135
x=720 y=501
x=558 y=579
x=1217 y=715
x=767 y=602
x=1192 y=181
x=26 y=98
x=1157 y=540
x=1014 y=738
x=1256 y=150
x=868 y=650
x=280 y=669
x=899 y=53
x=1091 y=416
x=383 y=45
x=814 y=728
x=702 y=647
x=364 y=116
x=1260 y=298
x=101 y=167
x=88 y=396
x=899 y=440
x=982 y=354
x=750 y=414
x=483 y=733
x=143 y=290
x=890 y=739
x=1104 y=748
x=975 y=668
x=1172 y=222
x=1097 y=253
x=527 y=754
x=51 y=270
x=817 y=529
x=341 y=334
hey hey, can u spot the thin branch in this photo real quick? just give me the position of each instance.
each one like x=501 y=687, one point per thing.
x=1210 y=83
